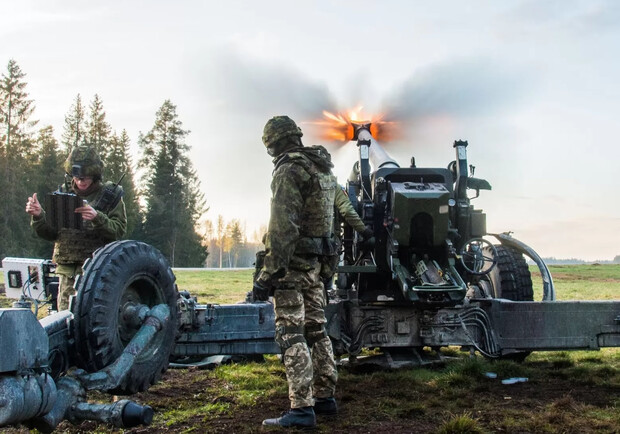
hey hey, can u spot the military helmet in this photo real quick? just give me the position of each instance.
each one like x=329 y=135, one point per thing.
x=279 y=127
x=84 y=161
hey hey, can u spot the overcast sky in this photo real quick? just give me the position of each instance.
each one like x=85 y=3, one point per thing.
x=533 y=86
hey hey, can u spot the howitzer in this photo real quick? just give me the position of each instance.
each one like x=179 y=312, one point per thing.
x=432 y=279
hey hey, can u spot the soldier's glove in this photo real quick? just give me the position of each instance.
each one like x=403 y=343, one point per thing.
x=368 y=244
x=260 y=292
x=368 y=239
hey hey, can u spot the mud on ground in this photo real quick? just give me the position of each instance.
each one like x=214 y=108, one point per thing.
x=550 y=401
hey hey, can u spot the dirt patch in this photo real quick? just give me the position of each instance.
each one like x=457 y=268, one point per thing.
x=384 y=404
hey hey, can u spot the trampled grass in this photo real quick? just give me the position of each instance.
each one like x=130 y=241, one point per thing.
x=458 y=397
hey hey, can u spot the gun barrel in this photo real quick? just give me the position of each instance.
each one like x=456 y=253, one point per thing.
x=376 y=154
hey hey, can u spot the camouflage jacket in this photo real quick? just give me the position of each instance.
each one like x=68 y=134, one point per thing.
x=74 y=246
x=345 y=209
x=302 y=208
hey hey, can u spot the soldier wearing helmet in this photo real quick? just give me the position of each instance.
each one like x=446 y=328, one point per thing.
x=104 y=219
x=299 y=236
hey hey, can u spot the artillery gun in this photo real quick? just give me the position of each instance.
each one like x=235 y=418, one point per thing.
x=432 y=279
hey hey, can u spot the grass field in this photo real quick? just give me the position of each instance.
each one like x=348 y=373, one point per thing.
x=566 y=392
x=582 y=282
x=572 y=282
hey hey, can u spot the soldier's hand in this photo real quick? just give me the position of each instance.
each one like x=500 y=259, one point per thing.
x=33 y=207
x=87 y=211
x=368 y=243
x=260 y=292
x=368 y=239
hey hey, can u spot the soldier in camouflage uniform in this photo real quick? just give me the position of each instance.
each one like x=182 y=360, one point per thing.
x=343 y=211
x=102 y=222
x=299 y=236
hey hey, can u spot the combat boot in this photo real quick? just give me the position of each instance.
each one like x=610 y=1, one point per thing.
x=297 y=417
x=325 y=406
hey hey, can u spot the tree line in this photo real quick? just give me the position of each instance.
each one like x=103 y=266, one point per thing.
x=164 y=204
x=229 y=245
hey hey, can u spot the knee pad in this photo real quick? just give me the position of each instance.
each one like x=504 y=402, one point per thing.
x=296 y=335
x=315 y=333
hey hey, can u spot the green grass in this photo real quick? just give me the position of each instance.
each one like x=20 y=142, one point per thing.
x=567 y=391
x=216 y=287
x=572 y=282
x=252 y=382
x=452 y=398
x=177 y=416
x=461 y=424
x=581 y=282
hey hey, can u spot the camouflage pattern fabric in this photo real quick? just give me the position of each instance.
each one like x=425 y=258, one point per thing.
x=324 y=369
x=308 y=371
x=278 y=128
x=86 y=158
x=259 y=263
x=301 y=220
x=300 y=227
x=73 y=247
x=344 y=211
x=329 y=265
x=66 y=281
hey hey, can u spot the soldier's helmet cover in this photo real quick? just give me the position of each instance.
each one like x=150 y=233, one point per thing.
x=84 y=161
x=279 y=127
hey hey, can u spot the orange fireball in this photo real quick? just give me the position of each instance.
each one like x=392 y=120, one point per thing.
x=338 y=127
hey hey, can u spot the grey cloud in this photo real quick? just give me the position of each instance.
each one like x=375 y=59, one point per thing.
x=259 y=88
x=572 y=16
x=463 y=88
x=602 y=17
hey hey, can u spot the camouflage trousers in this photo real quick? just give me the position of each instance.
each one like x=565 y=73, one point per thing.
x=300 y=312
x=66 y=281
x=329 y=266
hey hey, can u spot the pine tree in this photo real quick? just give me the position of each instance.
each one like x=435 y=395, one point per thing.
x=220 y=237
x=49 y=162
x=235 y=242
x=174 y=202
x=74 y=132
x=49 y=175
x=98 y=130
x=16 y=175
x=118 y=166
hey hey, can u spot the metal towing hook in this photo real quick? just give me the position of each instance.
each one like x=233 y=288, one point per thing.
x=29 y=395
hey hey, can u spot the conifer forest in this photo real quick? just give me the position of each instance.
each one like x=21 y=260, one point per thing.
x=163 y=199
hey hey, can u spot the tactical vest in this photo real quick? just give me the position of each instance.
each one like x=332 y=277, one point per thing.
x=74 y=245
x=316 y=219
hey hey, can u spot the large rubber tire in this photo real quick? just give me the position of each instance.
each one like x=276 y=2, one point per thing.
x=122 y=272
x=511 y=278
